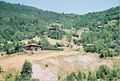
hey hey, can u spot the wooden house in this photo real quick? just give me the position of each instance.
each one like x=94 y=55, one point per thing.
x=32 y=47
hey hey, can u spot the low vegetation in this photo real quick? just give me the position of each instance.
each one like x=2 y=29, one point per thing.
x=12 y=47
x=102 y=73
x=45 y=45
x=77 y=42
x=1 y=70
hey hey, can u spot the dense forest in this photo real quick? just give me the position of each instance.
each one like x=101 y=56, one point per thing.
x=18 y=22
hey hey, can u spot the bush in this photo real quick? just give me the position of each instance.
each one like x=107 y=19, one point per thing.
x=1 y=47
x=34 y=80
x=103 y=72
x=11 y=48
x=76 y=76
x=114 y=74
x=91 y=77
x=71 y=77
x=56 y=34
x=69 y=36
x=9 y=77
x=1 y=70
x=44 y=44
x=75 y=35
x=19 y=47
x=18 y=78
x=107 y=53
x=79 y=76
x=59 y=44
x=77 y=42
x=89 y=48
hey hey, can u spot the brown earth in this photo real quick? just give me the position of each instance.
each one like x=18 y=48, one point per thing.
x=56 y=62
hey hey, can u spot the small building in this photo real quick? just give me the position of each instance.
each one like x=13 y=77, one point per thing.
x=32 y=47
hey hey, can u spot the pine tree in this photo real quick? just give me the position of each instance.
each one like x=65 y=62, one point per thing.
x=26 y=70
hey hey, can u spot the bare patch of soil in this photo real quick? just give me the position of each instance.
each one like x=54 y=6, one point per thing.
x=66 y=64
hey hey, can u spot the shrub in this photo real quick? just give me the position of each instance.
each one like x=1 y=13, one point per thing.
x=11 y=50
x=103 y=72
x=69 y=36
x=19 y=46
x=75 y=35
x=89 y=48
x=71 y=77
x=1 y=70
x=77 y=42
x=44 y=44
x=76 y=76
x=18 y=78
x=59 y=44
x=114 y=74
x=91 y=77
x=1 y=47
x=79 y=76
x=56 y=34
x=34 y=80
x=107 y=53
x=14 y=47
x=9 y=77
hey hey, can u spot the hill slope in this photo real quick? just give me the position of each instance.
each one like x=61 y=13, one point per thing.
x=18 y=22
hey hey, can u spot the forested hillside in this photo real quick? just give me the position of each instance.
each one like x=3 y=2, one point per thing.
x=103 y=39
x=19 y=22
x=65 y=47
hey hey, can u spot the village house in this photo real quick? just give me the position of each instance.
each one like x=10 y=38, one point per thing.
x=32 y=47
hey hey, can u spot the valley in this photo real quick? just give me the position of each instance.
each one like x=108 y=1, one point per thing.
x=41 y=45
